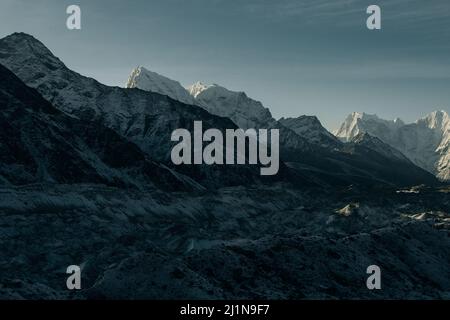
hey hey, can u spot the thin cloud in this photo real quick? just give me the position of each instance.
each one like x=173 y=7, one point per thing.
x=413 y=14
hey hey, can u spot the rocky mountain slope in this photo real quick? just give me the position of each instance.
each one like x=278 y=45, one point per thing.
x=147 y=119
x=40 y=144
x=244 y=111
x=425 y=142
x=310 y=128
x=377 y=146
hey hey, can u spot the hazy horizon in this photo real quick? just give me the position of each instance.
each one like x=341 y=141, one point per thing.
x=296 y=57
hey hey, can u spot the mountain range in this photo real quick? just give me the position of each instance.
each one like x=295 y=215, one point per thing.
x=152 y=106
x=426 y=142
x=146 y=119
x=303 y=136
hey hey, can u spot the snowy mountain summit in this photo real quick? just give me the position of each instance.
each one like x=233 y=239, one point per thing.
x=144 y=79
x=197 y=88
x=244 y=111
x=360 y=122
x=425 y=142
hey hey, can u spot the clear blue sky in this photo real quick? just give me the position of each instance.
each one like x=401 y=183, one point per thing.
x=298 y=57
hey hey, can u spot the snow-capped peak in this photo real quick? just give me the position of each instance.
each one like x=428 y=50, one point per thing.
x=355 y=123
x=147 y=80
x=197 y=88
x=236 y=105
x=436 y=119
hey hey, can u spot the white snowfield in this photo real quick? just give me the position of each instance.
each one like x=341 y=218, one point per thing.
x=426 y=142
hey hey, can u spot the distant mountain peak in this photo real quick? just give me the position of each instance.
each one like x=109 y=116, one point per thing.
x=355 y=122
x=310 y=128
x=249 y=113
x=147 y=80
x=197 y=88
x=236 y=105
x=25 y=42
x=436 y=119
x=373 y=117
x=21 y=35
x=364 y=115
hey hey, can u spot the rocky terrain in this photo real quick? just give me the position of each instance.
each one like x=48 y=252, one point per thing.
x=236 y=243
